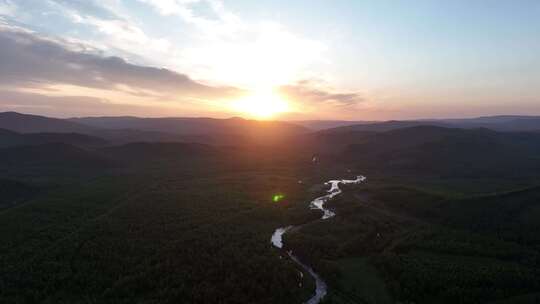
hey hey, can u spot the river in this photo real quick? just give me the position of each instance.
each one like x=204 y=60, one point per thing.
x=277 y=237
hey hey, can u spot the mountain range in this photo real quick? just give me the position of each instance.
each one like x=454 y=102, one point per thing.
x=479 y=146
x=443 y=199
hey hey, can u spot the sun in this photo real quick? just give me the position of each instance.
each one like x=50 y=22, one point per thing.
x=262 y=104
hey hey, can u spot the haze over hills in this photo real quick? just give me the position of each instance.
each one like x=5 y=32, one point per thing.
x=497 y=123
x=233 y=125
x=400 y=145
x=492 y=119
x=317 y=125
x=191 y=126
x=103 y=131
x=134 y=129
x=26 y=123
x=171 y=127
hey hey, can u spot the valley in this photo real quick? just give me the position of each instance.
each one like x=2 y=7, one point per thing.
x=160 y=221
x=269 y=152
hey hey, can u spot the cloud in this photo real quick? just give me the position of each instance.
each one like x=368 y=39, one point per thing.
x=173 y=7
x=204 y=38
x=7 y=8
x=307 y=93
x=107 y=52
x=225 y=47
x=220 y=21
x=27 y=60
x=102 y=9
x=107 y=26
x=70 y=105
x=123 y=34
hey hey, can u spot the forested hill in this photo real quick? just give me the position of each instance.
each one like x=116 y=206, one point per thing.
x=426 y=150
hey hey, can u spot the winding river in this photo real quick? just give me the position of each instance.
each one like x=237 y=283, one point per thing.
x=277 y=237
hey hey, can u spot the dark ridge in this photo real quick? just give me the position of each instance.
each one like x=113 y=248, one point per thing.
x=448 y=152
x=58 y=155
x=10 y=139
x=24 y=123
x=193 y=126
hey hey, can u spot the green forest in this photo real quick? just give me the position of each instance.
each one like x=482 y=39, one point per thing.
x=192 y=222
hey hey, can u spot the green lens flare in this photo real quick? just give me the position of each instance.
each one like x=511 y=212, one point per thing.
x=276 y=198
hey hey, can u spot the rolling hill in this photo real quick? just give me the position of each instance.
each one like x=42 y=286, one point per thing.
x=121 y=130
x=437 y=151
x=509 y=123
x=54 y=155
x=193 y=126
x=10 y=138
x=386 y=126
x=318 y=125
x=147 y=152
x=25 y=123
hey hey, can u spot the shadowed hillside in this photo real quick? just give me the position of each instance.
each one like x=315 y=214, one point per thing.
x=50 y=158
x=448 y=152
x=15 y=192
x=509 y=123
x=10 y=138
x=151 y=152
x=25 y=123
x=119 y=130
x=195 y=126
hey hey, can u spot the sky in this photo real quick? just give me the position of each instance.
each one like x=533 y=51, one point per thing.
x=295 y=59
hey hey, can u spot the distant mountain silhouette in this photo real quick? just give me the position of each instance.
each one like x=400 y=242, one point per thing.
x=230 y=131
x=124 y=136
x=193 y=126
x=119 y=130
x=25 y=123
x=317 y=125
x=492 y=119
x=515 y=124
x=509 y=123
x=10 y=138
x=387 y=126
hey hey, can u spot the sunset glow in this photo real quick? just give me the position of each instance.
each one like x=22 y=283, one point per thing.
x=307 y=60
x=263 y=104
x=227 y=144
